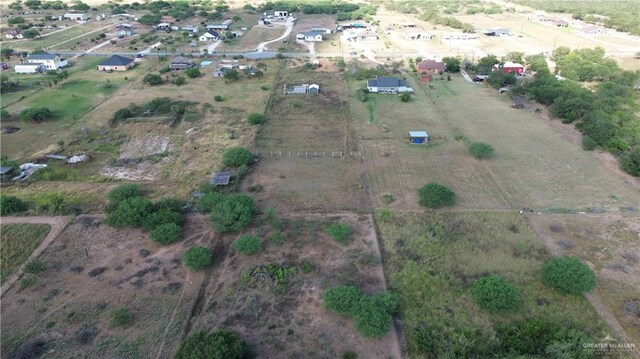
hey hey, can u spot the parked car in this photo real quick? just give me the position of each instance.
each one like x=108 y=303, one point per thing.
x=3 y=66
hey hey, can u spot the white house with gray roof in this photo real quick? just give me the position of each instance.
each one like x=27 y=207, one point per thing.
x=48 y=61
x=388 y=85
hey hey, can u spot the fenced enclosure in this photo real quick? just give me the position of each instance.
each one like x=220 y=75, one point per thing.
x=313 y=154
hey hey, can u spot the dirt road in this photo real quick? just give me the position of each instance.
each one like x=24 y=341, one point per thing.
x=57 y=225
x=289 y=25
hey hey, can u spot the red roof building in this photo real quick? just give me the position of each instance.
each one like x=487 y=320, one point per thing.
x=428 y=68
x=508 y=67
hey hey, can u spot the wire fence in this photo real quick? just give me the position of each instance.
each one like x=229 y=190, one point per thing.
x=313 y=154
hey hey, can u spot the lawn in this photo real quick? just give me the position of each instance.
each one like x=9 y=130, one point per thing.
x=432 y=259
x=534 y=166
x=18 y=241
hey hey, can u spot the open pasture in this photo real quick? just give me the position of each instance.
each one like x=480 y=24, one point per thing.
x=301 y=124
x=534 y=166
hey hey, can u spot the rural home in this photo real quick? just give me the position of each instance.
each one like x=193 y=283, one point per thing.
x=313 y=89
x=48 y=61
x=75 y=17
x=418 y=35
x=221 y=71
x=181 y=63
x=124 y=30
x=428 y=68
x=418 y=137
x=14 y=34
x=116 y=63
x=223 y=26
x=29 y=69
x=508 y=67
x=498 y=32
x=280 y=13
x=209 y=36
x=388 y=85
x=321 y=29
x=190 y=28
x=312 y=36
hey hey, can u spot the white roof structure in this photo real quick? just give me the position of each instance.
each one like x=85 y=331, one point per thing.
x=418 y=134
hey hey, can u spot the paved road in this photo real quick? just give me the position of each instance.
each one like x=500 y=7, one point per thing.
x=289 y=25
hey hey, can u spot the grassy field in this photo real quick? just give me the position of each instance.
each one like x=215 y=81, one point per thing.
x=534 y=166
x=61 y=39
x=254 y=36
x=304 y=123
x=432 y=259
x=18 y=241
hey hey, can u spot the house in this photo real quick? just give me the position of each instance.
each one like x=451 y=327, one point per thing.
x=388 y=85
x=507 y=67
x=14 y=34
x=418 y=35
x=209 y=36
x=29 y=69
x=498 y=32
x=460 y=36
x=312 y=36
x=181 y=63
x=313 y=89
x=428 y=68
x=48 y=61
x=281 y=13
x=124 y=30
x=75 y=17
x=368 y=36
x=168 y=19
x=593 y=30
x=190 y=28
x=321 y=29
x=223 y=26
x=220 y=72
x=116 y=63
x=559 y=23
x=418 y=137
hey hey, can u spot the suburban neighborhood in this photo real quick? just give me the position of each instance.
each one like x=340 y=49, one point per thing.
x=319 y=179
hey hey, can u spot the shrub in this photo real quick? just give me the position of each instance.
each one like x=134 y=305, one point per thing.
x=209 y=201
x=123 y=192
x=121 y=317
x=434 y=195
x=164 y=69
x=218 y=98
x=236 y=156
x=179 y=81
x=221 y=344
x=248 y=245
x=481 y=150
x=197 y=258
x=11 y=205
x=28 y=281
x=342 y=299
x=373 y=314
x=405 y=97
x=233 y=213
x=350 y=355
x=494 y=293
x=588 y=143
x=192 y=72
x=340 y=232
x=36 y=266
x=362 y=95
x=36 y=114
x=568 y=275
x=166 y=233
x=163 y=216
x=630 y=162
x=130 y=212
x=257 y=118
x=152 y=79
x=169 y=204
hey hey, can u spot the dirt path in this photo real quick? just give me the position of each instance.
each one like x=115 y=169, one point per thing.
x=593 y=299
x=57 y=225
x=173 y=317
x=83 y=35
x=43 y=35
x=289 y=25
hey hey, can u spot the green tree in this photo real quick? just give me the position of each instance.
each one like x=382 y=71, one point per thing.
x=232 y=76
x=256 y=118
x=6 y=53
x=197 y=258
x=630 y=162
x=11 y=205
x=481 y=150
x=236 y=157
x=248 y=244
x=495 y=294
x=80 y=6
x=405 y=97
x=16 y=20
x=209 y=201
x=568 y=275
x=452 y=64
x=192 y=72
x=130 y=212
x=123 y=192
x=233 y=213
x=485 y=64
x=6 y=162
x=340 y=232
x=373 y=314
x=36 y=114
x=220 y=344
x=31 y=33
x=152 y=79
x=514 y=56
x=435 y=195
x=166 y=233
x=162 y=216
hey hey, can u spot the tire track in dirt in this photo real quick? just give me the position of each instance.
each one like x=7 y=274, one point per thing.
x=173 y=317
x=57 y=225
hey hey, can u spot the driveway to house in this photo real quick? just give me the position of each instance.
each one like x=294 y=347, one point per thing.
x=310 y=45
x=210 y=48
x=465 y=75
x=57 y=225
x=289 y=25
x=148 y=49
x=92 y=49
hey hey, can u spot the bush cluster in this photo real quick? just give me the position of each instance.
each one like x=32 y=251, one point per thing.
x=372 y=313
x=122 y=317
x=340 y=232
x=248 y=244
x=481 y=150
x=495 y=294
x=232 y=213
x=568 y=275
x=128 y=208
x=197 y=257
x=256 y=118
x=11 y=205
x=220 y=344
x=435 y=195
x=236 y=157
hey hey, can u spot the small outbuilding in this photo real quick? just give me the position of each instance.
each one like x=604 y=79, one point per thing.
x=181 y=63
x=116 y=63
x=221 y=178
x=421 y=137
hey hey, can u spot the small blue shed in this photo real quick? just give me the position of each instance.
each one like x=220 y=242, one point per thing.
x=418 y=137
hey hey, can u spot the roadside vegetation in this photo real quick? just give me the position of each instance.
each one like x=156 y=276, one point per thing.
x=18 y=242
